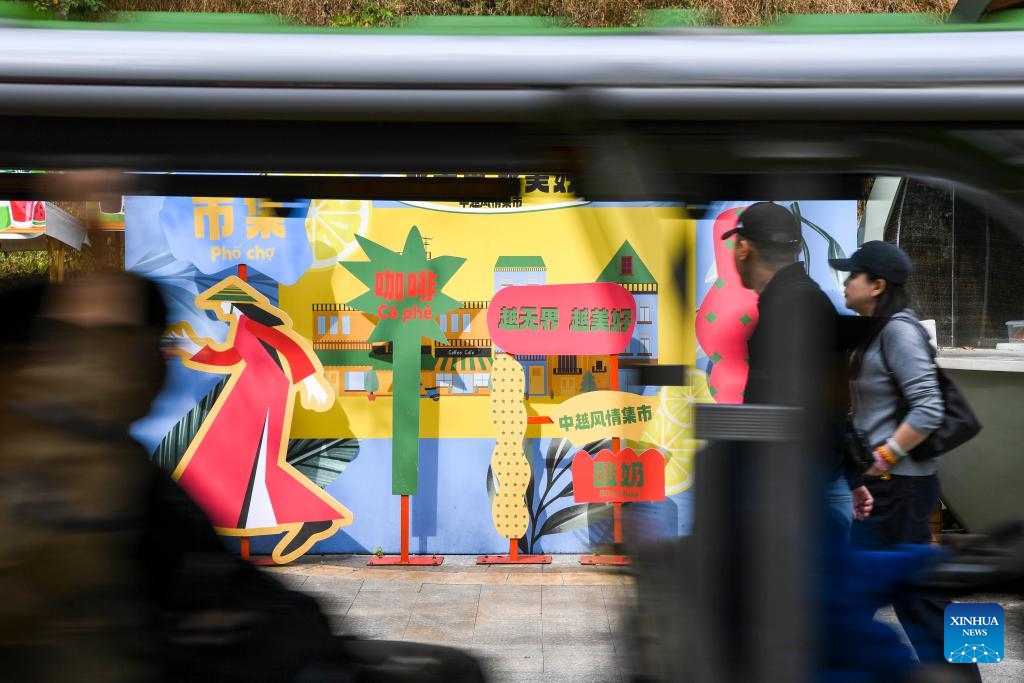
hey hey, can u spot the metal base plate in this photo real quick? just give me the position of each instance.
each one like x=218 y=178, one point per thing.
x=618 y=560
x=417 y=560
x=508 y=559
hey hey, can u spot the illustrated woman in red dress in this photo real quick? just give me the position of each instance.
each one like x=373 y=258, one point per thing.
x=235 y=467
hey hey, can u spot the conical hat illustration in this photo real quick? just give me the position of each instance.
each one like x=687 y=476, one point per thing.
x=231 y=288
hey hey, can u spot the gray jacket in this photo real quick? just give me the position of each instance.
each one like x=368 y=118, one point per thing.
x=876 y=398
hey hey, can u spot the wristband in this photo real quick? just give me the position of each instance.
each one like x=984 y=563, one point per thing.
x=894 y=448
x=884 y=459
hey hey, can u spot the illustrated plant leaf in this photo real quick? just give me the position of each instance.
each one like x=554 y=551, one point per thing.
x=492 y=489
x=322 y=460
x=595 y=447
x=556 y=452
x=575 y=517
x=174 y=444
x=525 y=545
x=532 y=510
x=567 y=491
x=835 y=250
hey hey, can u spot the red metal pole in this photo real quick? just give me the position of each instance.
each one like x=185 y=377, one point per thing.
x=613 y=368
x=405 y=528
x=242 y=275
x=613 y=384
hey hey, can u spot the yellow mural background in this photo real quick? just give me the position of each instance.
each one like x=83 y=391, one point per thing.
x=576 y=244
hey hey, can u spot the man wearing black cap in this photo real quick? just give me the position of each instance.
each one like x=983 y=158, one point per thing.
x=790 y=501
x=793 y=351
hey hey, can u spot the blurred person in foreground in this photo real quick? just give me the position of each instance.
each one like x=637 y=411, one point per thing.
x=796 y=358
x=711 y=608
x=108 y=571
x=794 y=352
x=897 y=403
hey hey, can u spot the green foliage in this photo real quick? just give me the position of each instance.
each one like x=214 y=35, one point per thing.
x=35 y=263
x=371 y=381
x=588 y=383
x=72 y=9
x=367 y=14
x=17 y=264
x=575 y=13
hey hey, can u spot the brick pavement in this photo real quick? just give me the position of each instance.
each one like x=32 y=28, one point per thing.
x=557 y=623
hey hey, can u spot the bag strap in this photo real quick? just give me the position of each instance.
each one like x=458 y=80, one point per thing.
x=885 y=361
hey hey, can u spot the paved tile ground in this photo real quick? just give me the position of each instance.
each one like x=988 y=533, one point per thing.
x=528 y=623
x=557 y=623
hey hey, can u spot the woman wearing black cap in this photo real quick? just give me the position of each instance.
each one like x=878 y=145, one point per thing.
x=897 y=403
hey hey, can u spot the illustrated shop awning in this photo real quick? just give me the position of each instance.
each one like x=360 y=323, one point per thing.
x=468 y=364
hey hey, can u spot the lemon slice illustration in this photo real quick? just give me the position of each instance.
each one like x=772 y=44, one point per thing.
x=332 y=226
x=671 y=431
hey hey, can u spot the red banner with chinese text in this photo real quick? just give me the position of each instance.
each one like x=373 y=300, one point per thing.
x=582 y=319
x=622 y=477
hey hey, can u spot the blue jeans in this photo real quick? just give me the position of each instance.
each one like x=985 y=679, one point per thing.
x=840 y=508
x=903 y=506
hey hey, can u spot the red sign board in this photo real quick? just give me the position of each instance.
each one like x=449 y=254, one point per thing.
x=562 y=320
x=622 y=477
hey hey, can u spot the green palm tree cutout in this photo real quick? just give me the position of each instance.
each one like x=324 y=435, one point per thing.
x=405 y=292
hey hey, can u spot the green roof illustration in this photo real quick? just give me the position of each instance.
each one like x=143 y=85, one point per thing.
x=613 y=271
x=520 y=263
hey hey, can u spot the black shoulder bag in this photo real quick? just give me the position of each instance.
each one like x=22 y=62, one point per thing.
x=959 y=425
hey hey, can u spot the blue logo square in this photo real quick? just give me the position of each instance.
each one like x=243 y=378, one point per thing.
x=974 y=633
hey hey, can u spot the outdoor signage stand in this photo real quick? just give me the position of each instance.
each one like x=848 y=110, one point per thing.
x=617 y=559
x=406 y=294
x=616 y=539
x=513 y=556
x=576 y=319
x=509 y=464
x=404 y=558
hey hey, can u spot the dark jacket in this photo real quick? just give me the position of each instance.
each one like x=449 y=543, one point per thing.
x=796 y=359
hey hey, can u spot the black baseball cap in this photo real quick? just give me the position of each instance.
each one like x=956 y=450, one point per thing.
x=880 y=259
x=767 y=223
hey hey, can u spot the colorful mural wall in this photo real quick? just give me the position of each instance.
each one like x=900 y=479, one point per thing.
x=303 y=271
x=727 y=313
